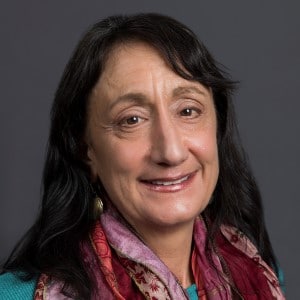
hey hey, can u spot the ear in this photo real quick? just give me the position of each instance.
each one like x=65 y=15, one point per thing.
x=91 y=162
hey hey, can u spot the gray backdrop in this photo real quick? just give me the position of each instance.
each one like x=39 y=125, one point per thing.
x=258 y=41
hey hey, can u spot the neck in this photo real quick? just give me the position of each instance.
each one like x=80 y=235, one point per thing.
x=173 y=246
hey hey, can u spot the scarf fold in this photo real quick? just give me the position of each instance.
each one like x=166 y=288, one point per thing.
x=125 y=268
x=254 y=279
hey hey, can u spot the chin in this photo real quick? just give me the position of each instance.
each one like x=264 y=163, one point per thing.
x=173 y=218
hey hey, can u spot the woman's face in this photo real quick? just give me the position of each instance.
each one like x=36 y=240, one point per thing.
x=151 y=139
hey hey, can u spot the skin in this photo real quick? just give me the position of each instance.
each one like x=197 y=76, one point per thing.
x=151 y=139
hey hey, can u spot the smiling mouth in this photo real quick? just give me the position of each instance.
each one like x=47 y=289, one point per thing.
x=169 y=182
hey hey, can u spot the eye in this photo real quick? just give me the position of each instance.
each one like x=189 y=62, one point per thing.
x=190 y=112
x=132 y=120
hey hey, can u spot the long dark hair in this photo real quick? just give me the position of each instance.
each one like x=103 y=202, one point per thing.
x=52 y=245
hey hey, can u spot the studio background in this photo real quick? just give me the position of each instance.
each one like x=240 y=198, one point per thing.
x=258 y=42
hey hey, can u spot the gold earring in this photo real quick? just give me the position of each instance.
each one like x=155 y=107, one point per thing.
x=98 y=207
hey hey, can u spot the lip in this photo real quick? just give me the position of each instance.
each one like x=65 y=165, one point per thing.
x=170 y=184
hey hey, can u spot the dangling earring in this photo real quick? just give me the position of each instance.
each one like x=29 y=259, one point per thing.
x=98 y=207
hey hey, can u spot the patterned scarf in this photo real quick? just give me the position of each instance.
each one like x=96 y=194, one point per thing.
x=125 y=268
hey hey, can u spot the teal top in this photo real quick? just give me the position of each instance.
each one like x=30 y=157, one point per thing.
x=13 y=288
x=281 y=279
x=192 y=292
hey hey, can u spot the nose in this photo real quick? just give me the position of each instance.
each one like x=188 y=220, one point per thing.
x=168 y=148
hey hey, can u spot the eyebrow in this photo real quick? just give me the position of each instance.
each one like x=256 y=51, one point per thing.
x=129 y=97
x=141 y=98
x=187 y=89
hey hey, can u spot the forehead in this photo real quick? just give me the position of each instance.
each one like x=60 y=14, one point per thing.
x=128 y=60
x=138 y=67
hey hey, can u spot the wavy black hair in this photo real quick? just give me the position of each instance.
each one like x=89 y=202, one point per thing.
x=52 y=245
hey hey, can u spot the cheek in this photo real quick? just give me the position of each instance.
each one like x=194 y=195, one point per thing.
x=119 y=165
x=204 y=145
x=120 y=158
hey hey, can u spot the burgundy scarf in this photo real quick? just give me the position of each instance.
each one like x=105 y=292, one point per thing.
x=125 y=268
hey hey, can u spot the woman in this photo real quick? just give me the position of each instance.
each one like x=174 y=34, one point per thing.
x=147 y=193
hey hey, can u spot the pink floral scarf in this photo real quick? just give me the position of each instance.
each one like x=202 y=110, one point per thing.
x=125 y=268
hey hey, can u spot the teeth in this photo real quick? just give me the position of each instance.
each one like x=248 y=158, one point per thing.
x=158 y=182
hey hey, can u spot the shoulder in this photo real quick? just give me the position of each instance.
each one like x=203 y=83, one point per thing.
x=14 y=288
